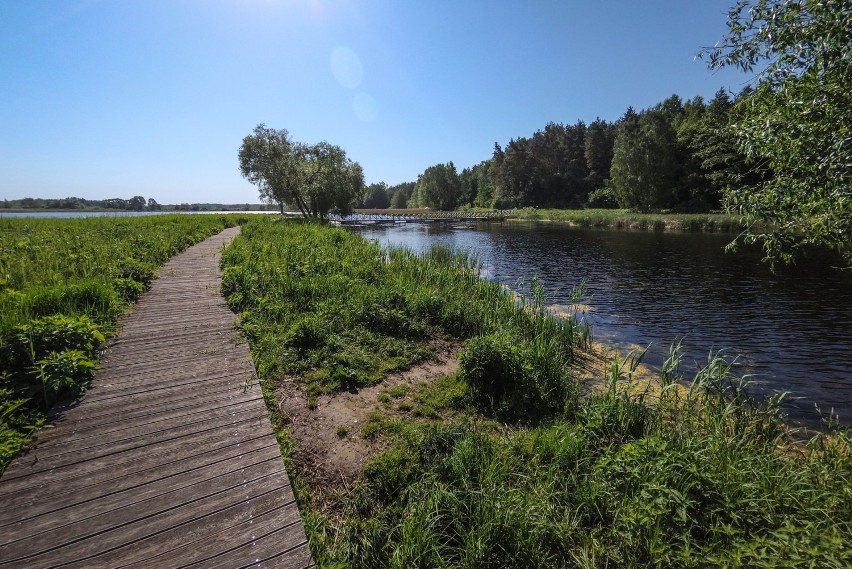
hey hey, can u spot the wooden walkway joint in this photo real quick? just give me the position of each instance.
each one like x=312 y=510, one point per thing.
x=169 y=460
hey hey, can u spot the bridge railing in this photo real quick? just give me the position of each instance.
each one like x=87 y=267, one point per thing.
x=435 y=215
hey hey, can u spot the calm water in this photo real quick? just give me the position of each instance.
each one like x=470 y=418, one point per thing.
x=792 y=331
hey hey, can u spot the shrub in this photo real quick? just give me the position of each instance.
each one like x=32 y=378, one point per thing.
x=139 y=271
x=603 y=198
x=63 y=375
x=494 y=370
x=128 y=289
x=52 y=334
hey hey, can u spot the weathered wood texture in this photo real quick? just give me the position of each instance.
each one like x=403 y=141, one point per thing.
x=169 y=460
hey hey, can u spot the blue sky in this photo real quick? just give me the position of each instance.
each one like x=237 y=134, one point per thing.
x=115 y=98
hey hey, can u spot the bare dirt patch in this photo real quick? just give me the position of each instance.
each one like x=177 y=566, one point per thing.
x=330 y=451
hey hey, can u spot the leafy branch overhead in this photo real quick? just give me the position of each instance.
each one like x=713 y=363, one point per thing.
x=798 y=119
x=315 y=178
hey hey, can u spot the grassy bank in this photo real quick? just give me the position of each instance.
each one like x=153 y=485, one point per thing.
x=625 y=219
x=505 y=464
x=612 y=218
x=63 y=285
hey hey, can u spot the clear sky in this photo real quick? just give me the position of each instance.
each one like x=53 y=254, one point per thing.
x=116 y=98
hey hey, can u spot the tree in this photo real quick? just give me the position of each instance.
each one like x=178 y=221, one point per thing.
x=136 y=203
x=644 y=165
x=376 y=196
x=153 y=205
x=799 y=118
x=332 y=182
x=273 y=162
x=439 y=187
x=399 y=199
x=597 y=150
x=316 y=178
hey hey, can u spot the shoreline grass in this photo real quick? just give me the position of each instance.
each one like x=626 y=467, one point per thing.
x=626 y=219
x=506 y=464
x=64 y=282
x=622 y=219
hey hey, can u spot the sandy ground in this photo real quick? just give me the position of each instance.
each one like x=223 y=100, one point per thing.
x=323 y=456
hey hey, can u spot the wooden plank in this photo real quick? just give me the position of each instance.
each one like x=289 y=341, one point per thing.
x=75 y=452
x=83 y=426
x=141 y=368
x=77 y=490
x=265 y=551
x=140 y=500
x=195 y=542
x=173 y=386
x=137 y=460
x=165 y=417
x=109 y=530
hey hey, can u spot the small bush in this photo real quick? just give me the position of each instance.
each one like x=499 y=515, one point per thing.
x=494 y=370
x=63 y=375
x=306 y=334
x=52 y=334
x=128 y=289
x=603 y=198
x=139 y=271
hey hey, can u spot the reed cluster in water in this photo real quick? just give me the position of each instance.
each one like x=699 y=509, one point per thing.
x=507 y=463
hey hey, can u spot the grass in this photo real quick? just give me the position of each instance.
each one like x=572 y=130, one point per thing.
x=626 y=219
x=611 y=218
x=505 y=464
x=63 y=285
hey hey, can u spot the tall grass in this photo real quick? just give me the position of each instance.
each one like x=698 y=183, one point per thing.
x=699 y=477
x=626 y=219
x=340 y=312
x=523 y=472
x=63 y=285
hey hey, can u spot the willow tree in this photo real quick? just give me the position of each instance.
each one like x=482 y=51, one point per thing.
x=798 y=119
x=315 y=178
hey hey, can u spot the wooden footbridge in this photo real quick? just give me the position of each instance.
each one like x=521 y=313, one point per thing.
x=169 y=460
x=402 y=216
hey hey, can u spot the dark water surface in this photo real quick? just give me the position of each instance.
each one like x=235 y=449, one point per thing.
x=791 y=331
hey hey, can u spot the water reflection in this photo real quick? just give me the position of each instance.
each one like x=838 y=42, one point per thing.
x=790 y=330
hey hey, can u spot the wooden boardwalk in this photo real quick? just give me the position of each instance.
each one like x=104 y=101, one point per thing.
x=169 y=460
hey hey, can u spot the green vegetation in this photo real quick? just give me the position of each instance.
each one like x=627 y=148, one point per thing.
x=777 y=154
x=316 y=178
x=506 y=464
x=626 y=219
x=136 y=203
x=798 y=121
x=336 y=310
x=438 y=187
x=63 y=285
x=674 y=155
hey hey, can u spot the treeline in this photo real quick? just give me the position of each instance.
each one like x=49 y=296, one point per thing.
x=136 y=203
x=675 y=155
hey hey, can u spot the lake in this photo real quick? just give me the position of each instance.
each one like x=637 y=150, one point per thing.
x=790 y=331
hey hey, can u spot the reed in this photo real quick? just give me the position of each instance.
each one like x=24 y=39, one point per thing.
x=625 y=219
